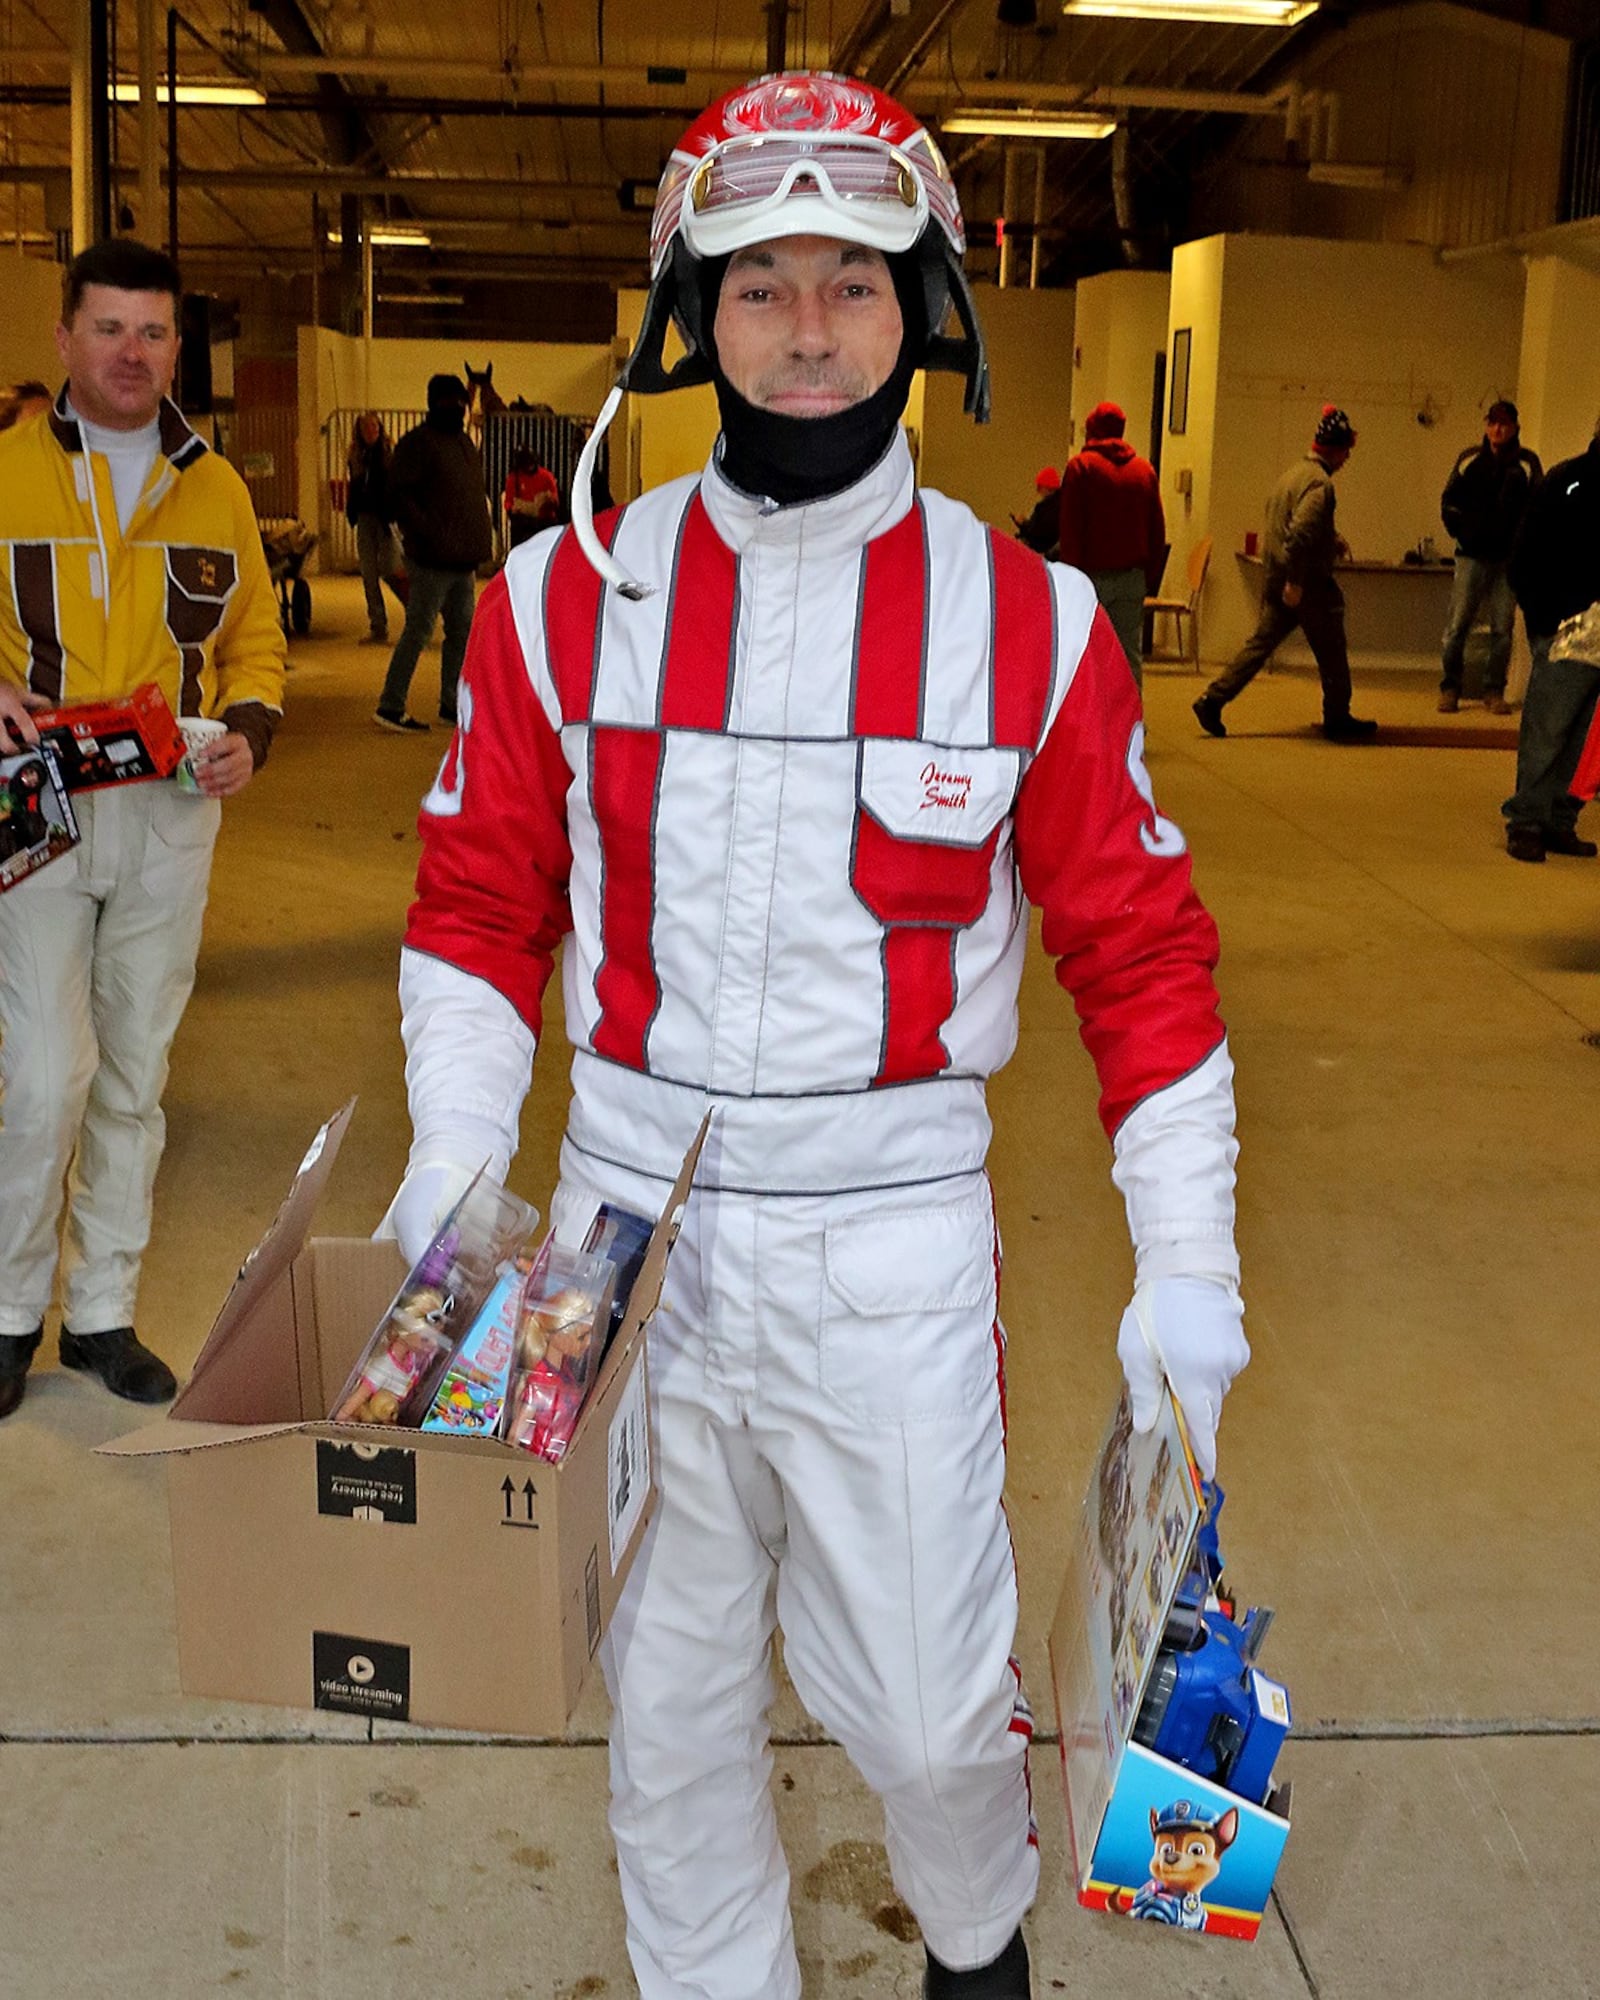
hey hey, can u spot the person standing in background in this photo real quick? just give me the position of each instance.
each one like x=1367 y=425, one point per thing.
x=532 y=499
x=367 y=510
x=1042 y=527
x=1298 y=587
x=442 y=510
x=133 y=555
x=1112 y=525
x=1482 y=507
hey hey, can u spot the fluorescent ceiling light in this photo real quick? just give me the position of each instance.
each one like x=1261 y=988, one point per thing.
x=1348 y=174
x=1224 y=13
x=200 y=90
x=1027 y=125
x=421 y=299
x=389 y=236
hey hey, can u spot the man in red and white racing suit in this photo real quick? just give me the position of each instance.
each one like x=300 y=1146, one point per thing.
x=788 y=813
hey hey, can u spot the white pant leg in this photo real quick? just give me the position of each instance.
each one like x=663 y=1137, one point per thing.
x=897 y=1596
x=47 y=1061
x=826 y=1386
x=688 y=1662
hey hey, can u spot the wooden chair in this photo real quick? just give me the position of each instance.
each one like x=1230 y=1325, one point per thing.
x=1180 y=608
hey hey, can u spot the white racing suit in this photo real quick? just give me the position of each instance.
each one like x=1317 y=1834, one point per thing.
x=788 y=814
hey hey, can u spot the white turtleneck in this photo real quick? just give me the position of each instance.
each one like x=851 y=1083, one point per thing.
x=130 y=455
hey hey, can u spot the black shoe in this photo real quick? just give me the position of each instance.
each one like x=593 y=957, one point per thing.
x=1208 y=713
x=16 y=1351
x=1525 y=843
x=447 y=716
x=1003 y=1978
x=1349 y=729
x=403 y=725
x=126 y=1367
x=1565 y=840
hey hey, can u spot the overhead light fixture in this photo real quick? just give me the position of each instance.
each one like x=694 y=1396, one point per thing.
x=1351 y=174
x=1029 y=125
x=389 y=236
x=198 y=90
x=421 y=299
x=1222 y=13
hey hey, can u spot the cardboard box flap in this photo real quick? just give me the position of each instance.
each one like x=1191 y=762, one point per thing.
x=173 y=1436
x=646 y=1294
x=233 y=1377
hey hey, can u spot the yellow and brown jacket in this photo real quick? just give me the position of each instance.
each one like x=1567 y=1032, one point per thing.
x=183 y=599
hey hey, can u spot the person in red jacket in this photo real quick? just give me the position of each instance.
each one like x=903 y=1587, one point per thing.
x=1112 y=524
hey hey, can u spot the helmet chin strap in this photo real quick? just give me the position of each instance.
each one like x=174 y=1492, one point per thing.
x=600 y=558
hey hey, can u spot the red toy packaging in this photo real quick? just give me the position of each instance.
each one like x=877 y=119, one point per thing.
x=394 y=1381
x=566 y=1313
x=101 y=743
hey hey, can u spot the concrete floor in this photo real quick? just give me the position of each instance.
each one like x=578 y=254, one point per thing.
x=1409 y=1459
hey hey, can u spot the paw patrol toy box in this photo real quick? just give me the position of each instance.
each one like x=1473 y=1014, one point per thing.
x=402 y=1574
x=1169 y=1731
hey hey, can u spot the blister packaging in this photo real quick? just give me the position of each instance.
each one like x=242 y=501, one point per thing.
x=561 y=1333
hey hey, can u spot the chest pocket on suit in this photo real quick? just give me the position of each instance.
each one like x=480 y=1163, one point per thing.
x=928 y=822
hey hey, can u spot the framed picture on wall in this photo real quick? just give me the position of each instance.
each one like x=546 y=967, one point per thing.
x=1178 y=407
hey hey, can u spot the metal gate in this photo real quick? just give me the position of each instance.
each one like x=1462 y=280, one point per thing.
x=554 y=441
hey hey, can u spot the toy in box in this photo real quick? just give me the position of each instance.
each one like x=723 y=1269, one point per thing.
x=100 y=743
x=37 y=823
x=471 y=1400
x=561 y=1334
x=394 y=1381
x=1169 y=1730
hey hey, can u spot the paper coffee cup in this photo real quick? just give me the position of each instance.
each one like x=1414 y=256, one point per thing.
x=198 y=732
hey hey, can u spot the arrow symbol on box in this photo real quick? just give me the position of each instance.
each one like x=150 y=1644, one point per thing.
x=528 y=1491
x=509 y=1490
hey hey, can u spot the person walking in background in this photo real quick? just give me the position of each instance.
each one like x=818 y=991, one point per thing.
x=1112 y=526
x=1298 y=587
x=437 y=494
x=1555 y=574
x=133 y=556
x=1042 y=528
x=366 y=508
x=1482 y=507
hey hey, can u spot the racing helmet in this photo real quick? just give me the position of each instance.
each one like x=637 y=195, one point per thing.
x=799 y=153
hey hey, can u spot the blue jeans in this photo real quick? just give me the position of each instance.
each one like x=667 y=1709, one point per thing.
x=378 y=552
x=1556 y=712
x=432 y=591
x=1479 y=586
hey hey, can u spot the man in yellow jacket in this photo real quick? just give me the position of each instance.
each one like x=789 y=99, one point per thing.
x=128 y=553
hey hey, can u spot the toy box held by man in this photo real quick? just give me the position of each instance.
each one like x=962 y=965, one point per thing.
x=37 y=823
x=448 y=1546
x=1170 y=1732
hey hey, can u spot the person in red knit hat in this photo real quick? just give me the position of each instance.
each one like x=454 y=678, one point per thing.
x=1039 y=530
x=1112 y=524
x=1298 y=587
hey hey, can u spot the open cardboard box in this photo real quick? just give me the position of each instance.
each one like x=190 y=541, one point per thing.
x=1135 y=1541
x=389 y=1573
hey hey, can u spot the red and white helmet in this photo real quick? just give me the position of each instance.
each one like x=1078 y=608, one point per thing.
x=802 y=153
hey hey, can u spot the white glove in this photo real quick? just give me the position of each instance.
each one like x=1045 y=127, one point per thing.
x=426 y=1196
x=1190 y=1330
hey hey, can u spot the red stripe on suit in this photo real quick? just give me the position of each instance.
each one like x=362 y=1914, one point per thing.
x=697 y=680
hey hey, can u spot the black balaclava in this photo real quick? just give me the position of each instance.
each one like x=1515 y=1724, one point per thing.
x=795 y=459
x=447 y=403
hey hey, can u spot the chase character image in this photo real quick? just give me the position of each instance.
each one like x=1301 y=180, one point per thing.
x=1189 y=1845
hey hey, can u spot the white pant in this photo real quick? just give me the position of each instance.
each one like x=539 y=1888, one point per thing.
x=97 y=956
x=826 y=1381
